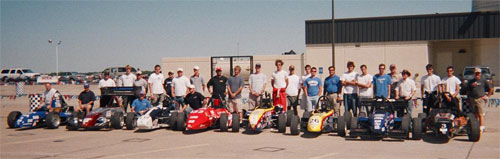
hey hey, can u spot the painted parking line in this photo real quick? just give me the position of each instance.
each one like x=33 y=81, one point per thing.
x=324 y=156
x=153 y=151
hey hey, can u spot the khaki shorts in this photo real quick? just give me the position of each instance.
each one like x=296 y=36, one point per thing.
x=479 y=103
x=235 y=104
x=253 y=101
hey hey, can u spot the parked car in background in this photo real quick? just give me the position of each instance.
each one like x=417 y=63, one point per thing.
x=18 y=74
x=469 y=73
x=70 y=77
x=116 y=72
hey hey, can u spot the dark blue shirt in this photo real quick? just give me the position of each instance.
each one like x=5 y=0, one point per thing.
x=381 y=83
x=333 y=84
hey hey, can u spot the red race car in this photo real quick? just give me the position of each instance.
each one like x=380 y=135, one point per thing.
x=216 y=115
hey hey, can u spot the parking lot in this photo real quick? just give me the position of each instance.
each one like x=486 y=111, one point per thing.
x=163 y=143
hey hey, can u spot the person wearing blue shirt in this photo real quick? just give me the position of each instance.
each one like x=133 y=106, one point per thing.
x=382 y=83
x=141 y=105
x=312 y=89
x=333 y=89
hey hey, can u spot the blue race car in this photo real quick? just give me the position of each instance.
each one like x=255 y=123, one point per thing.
x=41 y=117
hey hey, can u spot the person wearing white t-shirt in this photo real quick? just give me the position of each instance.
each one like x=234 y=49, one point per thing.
x=350 y=88
x=156 y=85
x=279 y=81
x=406 y=90
x=127 y=80
x=180 y=86
x=430 y=84
x=256 y=85
x=293 y=90
x=451 y=89
x=106 y=82
x=365 y=82
x=50 y=98
x=303 y=99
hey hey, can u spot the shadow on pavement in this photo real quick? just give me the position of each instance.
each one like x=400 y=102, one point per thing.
x=433 y=139
x=251 y=132
x=191 y=132
x=309 y=135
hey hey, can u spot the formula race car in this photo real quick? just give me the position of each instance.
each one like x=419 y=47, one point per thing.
x=268 y=116
x=383 y=120
x=160 y=115
x=447 y=120
x=323 y=119
x=216 y=115
x=42 y=117
x=110 y=116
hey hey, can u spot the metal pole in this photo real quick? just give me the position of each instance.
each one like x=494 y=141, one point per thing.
x=333 y=33
x=57 y=60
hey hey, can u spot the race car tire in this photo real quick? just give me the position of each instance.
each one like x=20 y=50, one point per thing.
x=341 y=128
x=173 y=120
x=281 y=123
x=235 y=123
x=474 y=132
x=348 y=117
x=294 y=125
x=289 y=116
x=416 y=133
x=12 y=118
x=223 y=122
x=180 y=124
x=71 y=125
x=130 y=122
x=53 y=120
x=117 y=120
x=405 y=125
x=354 y=123
x=422 y=115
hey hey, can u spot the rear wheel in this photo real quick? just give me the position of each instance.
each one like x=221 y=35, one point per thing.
x=235 y=123
x=281 y=123
x=289 y=116
x=348 y=117
x=53 y=120
x=180 y=124
x=416 y=133
x=341 y=129
x=354 y=123
x=130 y=122
x=294 y=125
x=12 y=118
x=405 y=125
x=173 y=120
x=223 y=122
x=117 y=120
x=474 y=132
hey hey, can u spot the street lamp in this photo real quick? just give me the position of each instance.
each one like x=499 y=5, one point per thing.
x=57 y=56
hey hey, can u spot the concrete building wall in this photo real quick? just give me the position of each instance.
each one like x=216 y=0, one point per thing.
x=187 y=63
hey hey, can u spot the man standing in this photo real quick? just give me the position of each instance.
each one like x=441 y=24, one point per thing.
x=86 y=99
x=217 y=85
x=395 y=78
x=430 y=83
x=167 y=85
x=365 y=82
x=478 y=91
x=293 y=90
x=350 y=88
x=451 y=89
x=257 y=85
x=106 y=82
x=140 y=81
x=382 y=83
x=279 y=81
x=180 y=85
x=155 y=85
x=333 y=89
x=406 y=89
x=198 y=81
x=127 y=80
x=313 y=91
x=303 y=99
x=234 y=87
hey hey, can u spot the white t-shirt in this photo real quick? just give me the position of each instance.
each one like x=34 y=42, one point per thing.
x=257 y=81
x=279 y=78
x=156 y=81
x=303 y=79
x=365 y=79
x=430 y=82
x=350 y=89
x=107 y=83
x=48 y=95
x=293 y=85
x=127 y=80
x=450 y=84
x=180 y=85
x=405 y=87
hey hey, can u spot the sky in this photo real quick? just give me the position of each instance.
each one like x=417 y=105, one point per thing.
x=100 y=34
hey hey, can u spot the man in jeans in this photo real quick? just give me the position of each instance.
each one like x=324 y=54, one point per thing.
x=430 y=83
x=312 y=89
x=350 y=88
x=257 y=85
x=382 y=83
x=279 y=81
x=406 y=90
x=333 y=89
x=303 y=99
x=155 y=85
x=293 y=89
x=451 y=90
x=180 y=85
x=234 y=87
x=478 y=91
x=365 y=82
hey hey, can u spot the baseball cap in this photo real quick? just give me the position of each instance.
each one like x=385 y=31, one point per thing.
x=86 y=85
x=142 y=92
x=191 y=86
x=180 y=69
x=257 y=65
x=476 y=70
x=218 y=69
x=139 y=72
x=196 y=67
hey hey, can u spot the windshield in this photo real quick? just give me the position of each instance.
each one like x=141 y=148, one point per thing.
x=27 y=71
x=470 y=71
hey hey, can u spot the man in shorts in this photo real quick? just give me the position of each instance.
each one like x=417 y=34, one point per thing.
x=478 y=91
x=257 y=85
x=235 y=85
x=333 y=89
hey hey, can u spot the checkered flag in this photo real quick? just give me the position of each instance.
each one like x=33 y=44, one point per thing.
x=35 y=101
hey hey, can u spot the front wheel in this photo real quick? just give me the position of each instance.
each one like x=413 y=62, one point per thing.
x=294 y=125
x=53 y=120
x=416 y=133
x=405 y=125
x=281 y=123
x=12 y=118
x=117 y=120
x=235 y=123
x=130 y=122
x=348 y=117
x=180 y=124
x=173 y=120
x=474 y=132
x=223 y=122
x=341 y=129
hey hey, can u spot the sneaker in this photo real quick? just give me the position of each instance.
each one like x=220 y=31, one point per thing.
x=482 y=128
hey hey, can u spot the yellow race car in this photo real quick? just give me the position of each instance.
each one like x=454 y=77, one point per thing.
x=324 y=119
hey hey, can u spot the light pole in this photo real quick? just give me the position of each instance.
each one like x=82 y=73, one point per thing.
x=57 y=56
x=333 y=33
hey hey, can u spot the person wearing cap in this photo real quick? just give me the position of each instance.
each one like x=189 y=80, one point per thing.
x=333 y=89
x=156 y=85
x=256 y=85
x=279 y=82
x=179 y=87
x=429 y=88
x=106 y=82
x=303 y=99
x=365 y=82
x=217 y=85
x=127 y=80
x=86 y=99
x=293 y=90
x=478 y=91
x=198 y=81
x=193 y=101
x=406 y=89
x=350 y=88
x=395 y=78
x=234 y=86
x=450 y=86
x=141 y=104
x=140 y=81
x=167 y=84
